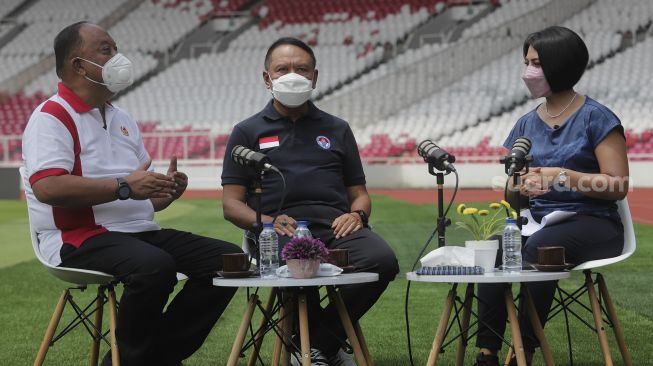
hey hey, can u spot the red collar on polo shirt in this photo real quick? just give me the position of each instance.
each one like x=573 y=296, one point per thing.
x=73 y=99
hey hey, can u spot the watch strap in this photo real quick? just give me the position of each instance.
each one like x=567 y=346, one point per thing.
x=562 y=177
x=123 y=188
x=363 y=215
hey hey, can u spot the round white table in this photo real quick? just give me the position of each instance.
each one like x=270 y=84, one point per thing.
x=490 y=277
x=341 y=279
x=294 y=294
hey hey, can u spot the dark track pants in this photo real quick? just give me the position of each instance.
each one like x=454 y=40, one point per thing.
x=147 y=263
x=584 y=238
x=368 y=252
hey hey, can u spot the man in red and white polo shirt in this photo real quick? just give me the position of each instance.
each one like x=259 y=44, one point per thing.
x=92 y=199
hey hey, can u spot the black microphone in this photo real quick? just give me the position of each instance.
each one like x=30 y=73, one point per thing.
x=436 y=156
x=249 y=158
x=519 y=155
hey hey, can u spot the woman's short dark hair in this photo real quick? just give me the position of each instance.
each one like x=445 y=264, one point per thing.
x=563 y=56
x=65 y=43
x=289 y=41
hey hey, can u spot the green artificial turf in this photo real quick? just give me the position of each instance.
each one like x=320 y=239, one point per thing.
x=28 y=294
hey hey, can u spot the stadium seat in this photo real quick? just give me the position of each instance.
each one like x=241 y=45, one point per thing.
x=349 y=41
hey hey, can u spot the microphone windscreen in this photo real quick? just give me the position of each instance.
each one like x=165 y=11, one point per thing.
x=238 y=155
x=522 y=144
x=425 y=147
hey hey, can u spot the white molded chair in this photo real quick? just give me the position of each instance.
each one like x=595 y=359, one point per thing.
x=602 y=304
x=80 y=278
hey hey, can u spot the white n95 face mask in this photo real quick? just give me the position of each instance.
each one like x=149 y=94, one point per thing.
x=117 y=73
x=291 y=90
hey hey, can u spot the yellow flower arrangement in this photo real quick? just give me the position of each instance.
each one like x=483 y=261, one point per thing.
x=484 y=223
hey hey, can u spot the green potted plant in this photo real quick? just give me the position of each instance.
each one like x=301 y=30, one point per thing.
x=303 y=256
x=482 y=224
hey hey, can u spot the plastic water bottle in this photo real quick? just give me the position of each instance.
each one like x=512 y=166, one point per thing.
x=511 y=247
x=269 y=248
x=302 y=230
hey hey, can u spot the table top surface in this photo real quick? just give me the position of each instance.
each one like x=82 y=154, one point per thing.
x=491 y=277
x=341 y=279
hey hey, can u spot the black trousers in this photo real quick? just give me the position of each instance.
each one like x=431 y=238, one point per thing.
x=368 y=252
x=147 y=264
x=584 y=238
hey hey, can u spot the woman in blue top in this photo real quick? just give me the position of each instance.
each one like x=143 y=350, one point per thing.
x=579 y=165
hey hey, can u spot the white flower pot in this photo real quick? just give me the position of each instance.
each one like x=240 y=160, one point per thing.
x=485 y=253
x=303 y=268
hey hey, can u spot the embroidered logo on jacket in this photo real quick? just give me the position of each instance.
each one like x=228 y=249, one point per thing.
x=323 y=142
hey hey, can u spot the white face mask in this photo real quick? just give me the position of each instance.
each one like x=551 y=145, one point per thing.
x=117 y=73
x=291 y=90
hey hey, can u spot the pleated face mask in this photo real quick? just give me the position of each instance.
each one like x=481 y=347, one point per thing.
x=536 y=82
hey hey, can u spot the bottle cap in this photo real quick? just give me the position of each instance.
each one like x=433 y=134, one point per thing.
x=268 y=225
x=510 y=220
x=302 y=223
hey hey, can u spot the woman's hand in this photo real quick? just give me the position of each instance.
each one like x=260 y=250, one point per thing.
x=537 y=181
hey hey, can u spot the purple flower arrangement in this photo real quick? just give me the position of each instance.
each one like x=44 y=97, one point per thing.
x=305 y=248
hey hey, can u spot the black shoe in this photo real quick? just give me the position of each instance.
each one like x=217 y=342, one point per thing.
x=486 y=360
x=317 y=358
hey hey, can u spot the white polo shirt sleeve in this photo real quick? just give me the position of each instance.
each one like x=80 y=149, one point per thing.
x=47 y=147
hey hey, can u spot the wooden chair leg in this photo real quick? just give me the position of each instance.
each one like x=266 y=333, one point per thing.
x=303 y=329
x=467 y=310
x=336 y=299
x=113 y=320
x=616 y=326
x=537 y=326
x=52 y=327
x=288 y=325
x=442 y=326
x=260 y=332
x=278 y=340
x=97 y=324
x=509 y=355
x=598 y=320
x=363 y=343
x=242 y=331
x=518 y=346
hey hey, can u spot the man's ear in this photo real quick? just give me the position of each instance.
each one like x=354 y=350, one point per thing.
x=314 y=78
x=266 y=80
x=76 y=65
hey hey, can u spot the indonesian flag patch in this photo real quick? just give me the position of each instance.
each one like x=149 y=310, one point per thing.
x=268 y=142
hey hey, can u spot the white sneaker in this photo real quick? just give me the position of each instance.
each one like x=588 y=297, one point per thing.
x=341 y=358
x=317 y=358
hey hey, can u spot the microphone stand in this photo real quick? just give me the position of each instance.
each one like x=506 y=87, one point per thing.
x=443 y=222
x=516 y=182
x=258 y=225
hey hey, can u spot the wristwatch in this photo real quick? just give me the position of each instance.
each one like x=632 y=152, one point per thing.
x=362 y=215
x=123 y=191
x=562 y=177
